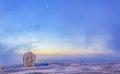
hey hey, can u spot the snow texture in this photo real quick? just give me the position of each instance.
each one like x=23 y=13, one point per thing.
x=109 y=68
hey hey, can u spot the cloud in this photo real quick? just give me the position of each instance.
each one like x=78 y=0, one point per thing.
x=114 y=43
x=16 y=45
x=21 y=43
x=7 y=56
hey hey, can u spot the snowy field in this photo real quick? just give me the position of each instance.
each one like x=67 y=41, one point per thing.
x=72 y=68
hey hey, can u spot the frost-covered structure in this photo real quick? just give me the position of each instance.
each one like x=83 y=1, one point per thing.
x=29 y=59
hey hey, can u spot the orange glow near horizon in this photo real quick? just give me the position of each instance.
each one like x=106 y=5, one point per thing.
x=71 y=52
x=52 y=52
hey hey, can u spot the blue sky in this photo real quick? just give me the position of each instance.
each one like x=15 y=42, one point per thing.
x=59 y=27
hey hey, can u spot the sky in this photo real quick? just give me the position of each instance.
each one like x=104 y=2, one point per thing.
x=59 y=27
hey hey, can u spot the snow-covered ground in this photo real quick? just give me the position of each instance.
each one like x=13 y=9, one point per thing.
x=73 y=68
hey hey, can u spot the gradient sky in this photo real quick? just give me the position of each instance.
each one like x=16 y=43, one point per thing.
x=59 y=27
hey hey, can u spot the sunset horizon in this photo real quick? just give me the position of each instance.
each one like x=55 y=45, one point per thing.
x=78 y=28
